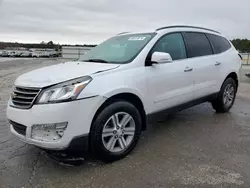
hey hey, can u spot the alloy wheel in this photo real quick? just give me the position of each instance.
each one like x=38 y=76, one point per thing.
x=118 y=132
x=228 y=96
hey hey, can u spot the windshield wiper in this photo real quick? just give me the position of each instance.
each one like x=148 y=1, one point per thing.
x=97 y=60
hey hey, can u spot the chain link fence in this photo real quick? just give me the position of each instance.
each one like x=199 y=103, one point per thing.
x=246 y=58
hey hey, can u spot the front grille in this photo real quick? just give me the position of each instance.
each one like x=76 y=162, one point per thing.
x=20 y=129
x=24 y=97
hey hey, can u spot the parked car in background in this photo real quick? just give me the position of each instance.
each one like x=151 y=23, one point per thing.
x=53 y=54
x=18 y=53
x=25 y=54
x=102 y=102
x=37 y=54
x=45 y=54
x=48 y=53
x=5 y=54
x=11 y=54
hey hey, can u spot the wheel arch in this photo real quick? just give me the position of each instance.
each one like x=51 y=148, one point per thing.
x=234 y=76
x=129 y=97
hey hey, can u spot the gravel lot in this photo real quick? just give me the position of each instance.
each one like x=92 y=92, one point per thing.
x=193 y=148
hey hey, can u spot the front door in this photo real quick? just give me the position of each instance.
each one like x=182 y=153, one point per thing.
x=170 y=84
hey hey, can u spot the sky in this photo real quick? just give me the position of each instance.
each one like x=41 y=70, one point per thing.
x=92 y=21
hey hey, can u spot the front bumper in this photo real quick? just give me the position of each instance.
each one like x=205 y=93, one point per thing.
x=78 y=114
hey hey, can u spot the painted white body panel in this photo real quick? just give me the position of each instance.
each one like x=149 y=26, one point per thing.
x=168 y=85
x=206 y=75
x=159 y=86
x=59 y=73
x=78 y=114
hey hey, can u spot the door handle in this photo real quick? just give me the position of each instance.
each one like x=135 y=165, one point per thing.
x=188 y=69
x=217 y=63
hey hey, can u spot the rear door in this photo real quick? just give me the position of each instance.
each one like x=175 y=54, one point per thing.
x=223 y=57
x=200 y=52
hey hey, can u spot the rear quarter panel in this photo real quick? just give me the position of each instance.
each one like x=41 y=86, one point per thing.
x=231 y=62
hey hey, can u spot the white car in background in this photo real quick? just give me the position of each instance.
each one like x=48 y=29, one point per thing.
x=103 y=101
x=42 y=53
x=36 y=54
x=25 y=54
x=5 y=53
x=18 y=53
x=11 y=54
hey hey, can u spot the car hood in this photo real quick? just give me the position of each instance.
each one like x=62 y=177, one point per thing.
x=61 y=72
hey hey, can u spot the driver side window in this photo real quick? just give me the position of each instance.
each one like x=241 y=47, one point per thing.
x=172 y=44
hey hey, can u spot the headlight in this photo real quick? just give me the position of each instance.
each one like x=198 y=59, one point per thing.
x=64 y=92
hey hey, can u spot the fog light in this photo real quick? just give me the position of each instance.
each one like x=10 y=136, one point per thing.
x=48 y=132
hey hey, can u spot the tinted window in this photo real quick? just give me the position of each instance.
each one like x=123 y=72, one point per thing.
x=172 y=44
x=198 y=44
x=219 y=44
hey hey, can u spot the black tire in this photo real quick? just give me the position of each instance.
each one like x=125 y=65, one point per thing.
x=97 y=147
x=219 y=104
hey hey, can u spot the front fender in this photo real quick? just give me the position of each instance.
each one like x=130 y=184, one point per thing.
x=124 y=90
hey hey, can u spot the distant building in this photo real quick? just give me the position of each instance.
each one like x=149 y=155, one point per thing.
x=74 y=52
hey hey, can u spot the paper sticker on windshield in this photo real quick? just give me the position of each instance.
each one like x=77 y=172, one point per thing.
x=136 y=38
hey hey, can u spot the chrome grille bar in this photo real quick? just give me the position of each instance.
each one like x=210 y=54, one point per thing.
x=26 y=93
x=24 y=97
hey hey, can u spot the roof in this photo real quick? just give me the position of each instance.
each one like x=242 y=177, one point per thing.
x=186 y=26
x=174 y=27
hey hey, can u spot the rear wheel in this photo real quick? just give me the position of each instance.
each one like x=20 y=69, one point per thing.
x=115 y=131
x=226 y=97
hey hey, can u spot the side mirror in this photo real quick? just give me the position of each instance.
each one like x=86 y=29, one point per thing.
x=161 y=57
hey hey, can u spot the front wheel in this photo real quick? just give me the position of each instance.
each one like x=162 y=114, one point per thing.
x=226 y=97
x=115 y=131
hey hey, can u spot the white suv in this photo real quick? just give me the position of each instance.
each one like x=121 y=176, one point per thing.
x=102 y=102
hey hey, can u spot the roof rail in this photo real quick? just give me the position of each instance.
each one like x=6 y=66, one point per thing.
x=174 y=26
x=122 y=33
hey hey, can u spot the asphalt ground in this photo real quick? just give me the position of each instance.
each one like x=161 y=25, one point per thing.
x=192 y=148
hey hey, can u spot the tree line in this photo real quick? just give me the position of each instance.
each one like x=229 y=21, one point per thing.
x=50 y=44
x=242 y=45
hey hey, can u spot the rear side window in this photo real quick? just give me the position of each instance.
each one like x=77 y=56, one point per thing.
x=172 y=44
x=198 y=44
x=220 y=44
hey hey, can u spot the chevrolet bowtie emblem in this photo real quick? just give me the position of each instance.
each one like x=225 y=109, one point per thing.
x=13 y=95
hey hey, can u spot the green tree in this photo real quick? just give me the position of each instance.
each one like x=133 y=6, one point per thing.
x=50 y=43
x=242 y=45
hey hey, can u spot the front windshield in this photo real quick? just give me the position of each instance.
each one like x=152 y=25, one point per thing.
x=119 y=49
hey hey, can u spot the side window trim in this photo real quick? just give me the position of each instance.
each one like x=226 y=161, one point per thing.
x=185 y=43
x=148 y=58
x=214 y=51
x=212 y=47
